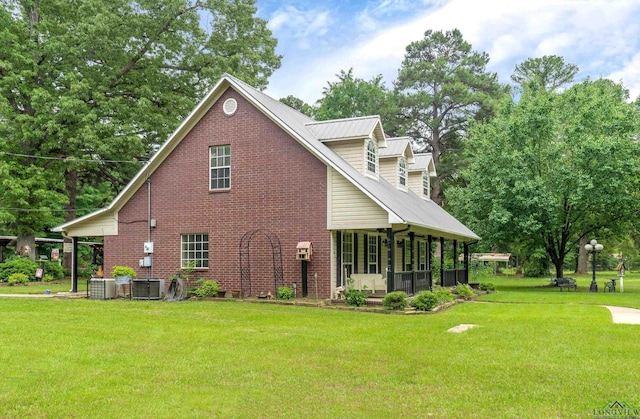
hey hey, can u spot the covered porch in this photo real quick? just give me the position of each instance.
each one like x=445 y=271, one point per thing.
x=408 y=259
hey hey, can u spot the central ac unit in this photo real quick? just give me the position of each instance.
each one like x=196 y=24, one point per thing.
x=148 y=289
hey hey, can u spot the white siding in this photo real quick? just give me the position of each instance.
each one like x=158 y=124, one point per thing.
x=349 y=208
x=414 y=182
x=103 y=225
x=389 y=170
x=352 y=151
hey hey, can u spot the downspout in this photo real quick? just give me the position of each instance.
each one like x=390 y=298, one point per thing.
x=149 y=224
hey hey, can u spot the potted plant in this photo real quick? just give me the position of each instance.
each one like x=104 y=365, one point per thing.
x=123 y=274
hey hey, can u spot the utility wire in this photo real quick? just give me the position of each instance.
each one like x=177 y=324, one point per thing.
x=72 y=159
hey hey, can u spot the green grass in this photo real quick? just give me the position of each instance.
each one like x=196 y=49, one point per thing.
x=41 y=287
x=559 y=355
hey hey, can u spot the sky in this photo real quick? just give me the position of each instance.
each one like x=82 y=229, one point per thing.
x=317 y=39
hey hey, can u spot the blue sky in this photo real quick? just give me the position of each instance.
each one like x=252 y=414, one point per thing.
x=319 y=38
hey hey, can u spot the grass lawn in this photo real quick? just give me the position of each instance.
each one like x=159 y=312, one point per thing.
x=558 y=355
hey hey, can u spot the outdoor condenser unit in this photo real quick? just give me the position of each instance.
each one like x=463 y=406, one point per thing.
x=151 y=289
x=102 y=289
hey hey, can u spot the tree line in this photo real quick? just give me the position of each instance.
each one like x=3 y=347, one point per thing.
x=89 y=90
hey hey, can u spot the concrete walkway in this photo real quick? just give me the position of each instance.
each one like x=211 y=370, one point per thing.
x=624 y=315
x=69 y=294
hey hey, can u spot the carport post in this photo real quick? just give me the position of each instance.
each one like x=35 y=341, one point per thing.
x=74 y=265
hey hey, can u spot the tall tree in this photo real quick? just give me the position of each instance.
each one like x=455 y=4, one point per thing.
x=550 y=71
x=443 y=84
x=352 y=97
x=85 y=85
x=299 y=105
x=553 y=169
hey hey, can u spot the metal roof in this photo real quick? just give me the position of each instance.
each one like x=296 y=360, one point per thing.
x=402 y=207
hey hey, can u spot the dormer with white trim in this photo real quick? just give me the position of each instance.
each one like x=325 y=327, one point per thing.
x=357 y=140
x=420 y=174
x=395 y=161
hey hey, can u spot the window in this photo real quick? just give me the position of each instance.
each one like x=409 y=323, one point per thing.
x=425 y=185
x=372 y=254
x=195 y=250
x=422 y=256
x=371 y=157
x=402 y=175
x=347 y=254
x=220 y=163
x=407 y=255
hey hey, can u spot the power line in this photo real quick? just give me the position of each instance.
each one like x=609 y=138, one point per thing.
x=45 y=209
x=72 y=159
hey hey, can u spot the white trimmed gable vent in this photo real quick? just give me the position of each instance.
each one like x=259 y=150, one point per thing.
x=230 y=106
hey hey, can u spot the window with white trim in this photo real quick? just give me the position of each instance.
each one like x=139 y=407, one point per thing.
x=220 y=167
x=347 y=254
x=402 y=173
x=422 y=256
x=371 y=156
x=407 y=255
x=425 y=185
x=194 y=250
x=372 y=254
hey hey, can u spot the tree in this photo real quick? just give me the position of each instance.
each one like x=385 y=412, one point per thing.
x=352 y=97
x=553 y=169
x=299 y=105
x=550 y=71
x=443 y=84
x=87 y=85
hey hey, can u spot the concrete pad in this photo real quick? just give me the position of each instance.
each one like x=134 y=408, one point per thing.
x=27 y=295
x=461 y=328
x=624 y=315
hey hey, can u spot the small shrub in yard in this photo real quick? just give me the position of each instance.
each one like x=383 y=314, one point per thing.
x=354 y=297
x=285 y=293
x=207 y=288
x=19 y=265
x=48 y=278
x=18 y=278
x=425 y=300
x=464 y=291
x=443 y=295
x=53 y=269
x=487 y=286
x=396 y=300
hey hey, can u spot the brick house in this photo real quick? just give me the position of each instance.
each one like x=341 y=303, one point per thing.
x=244 y=180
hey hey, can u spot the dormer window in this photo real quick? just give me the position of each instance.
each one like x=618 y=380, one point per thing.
x=402 y=175
x=371 y=157
x=425 y=185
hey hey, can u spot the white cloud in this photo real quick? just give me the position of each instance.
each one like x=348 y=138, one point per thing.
x=630 y=76
x=600 y=37
x=299 y=26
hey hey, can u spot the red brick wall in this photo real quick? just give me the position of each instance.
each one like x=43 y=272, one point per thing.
x=276 y=185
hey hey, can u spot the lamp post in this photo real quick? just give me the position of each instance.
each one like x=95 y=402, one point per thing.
x=593 y=248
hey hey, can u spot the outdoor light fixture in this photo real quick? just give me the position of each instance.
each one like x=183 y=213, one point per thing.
x=593 y=248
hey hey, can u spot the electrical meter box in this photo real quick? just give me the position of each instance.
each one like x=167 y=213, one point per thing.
x=304 y=251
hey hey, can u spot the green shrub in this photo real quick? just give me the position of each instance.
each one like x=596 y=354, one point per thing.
x=54 y=269
x=48 y=278
x=396 y=300
x=487 y=286
x=18 y=265
x=208 y=288
x=285 y=293
x=123 y=271
x=425 y=300
x=18 y=278
x=87 y=271
x=443 y=295
x=464 y=291
x=354 y=297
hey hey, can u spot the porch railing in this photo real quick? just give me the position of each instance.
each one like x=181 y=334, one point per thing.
x=453 y=276
x=412 y=282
